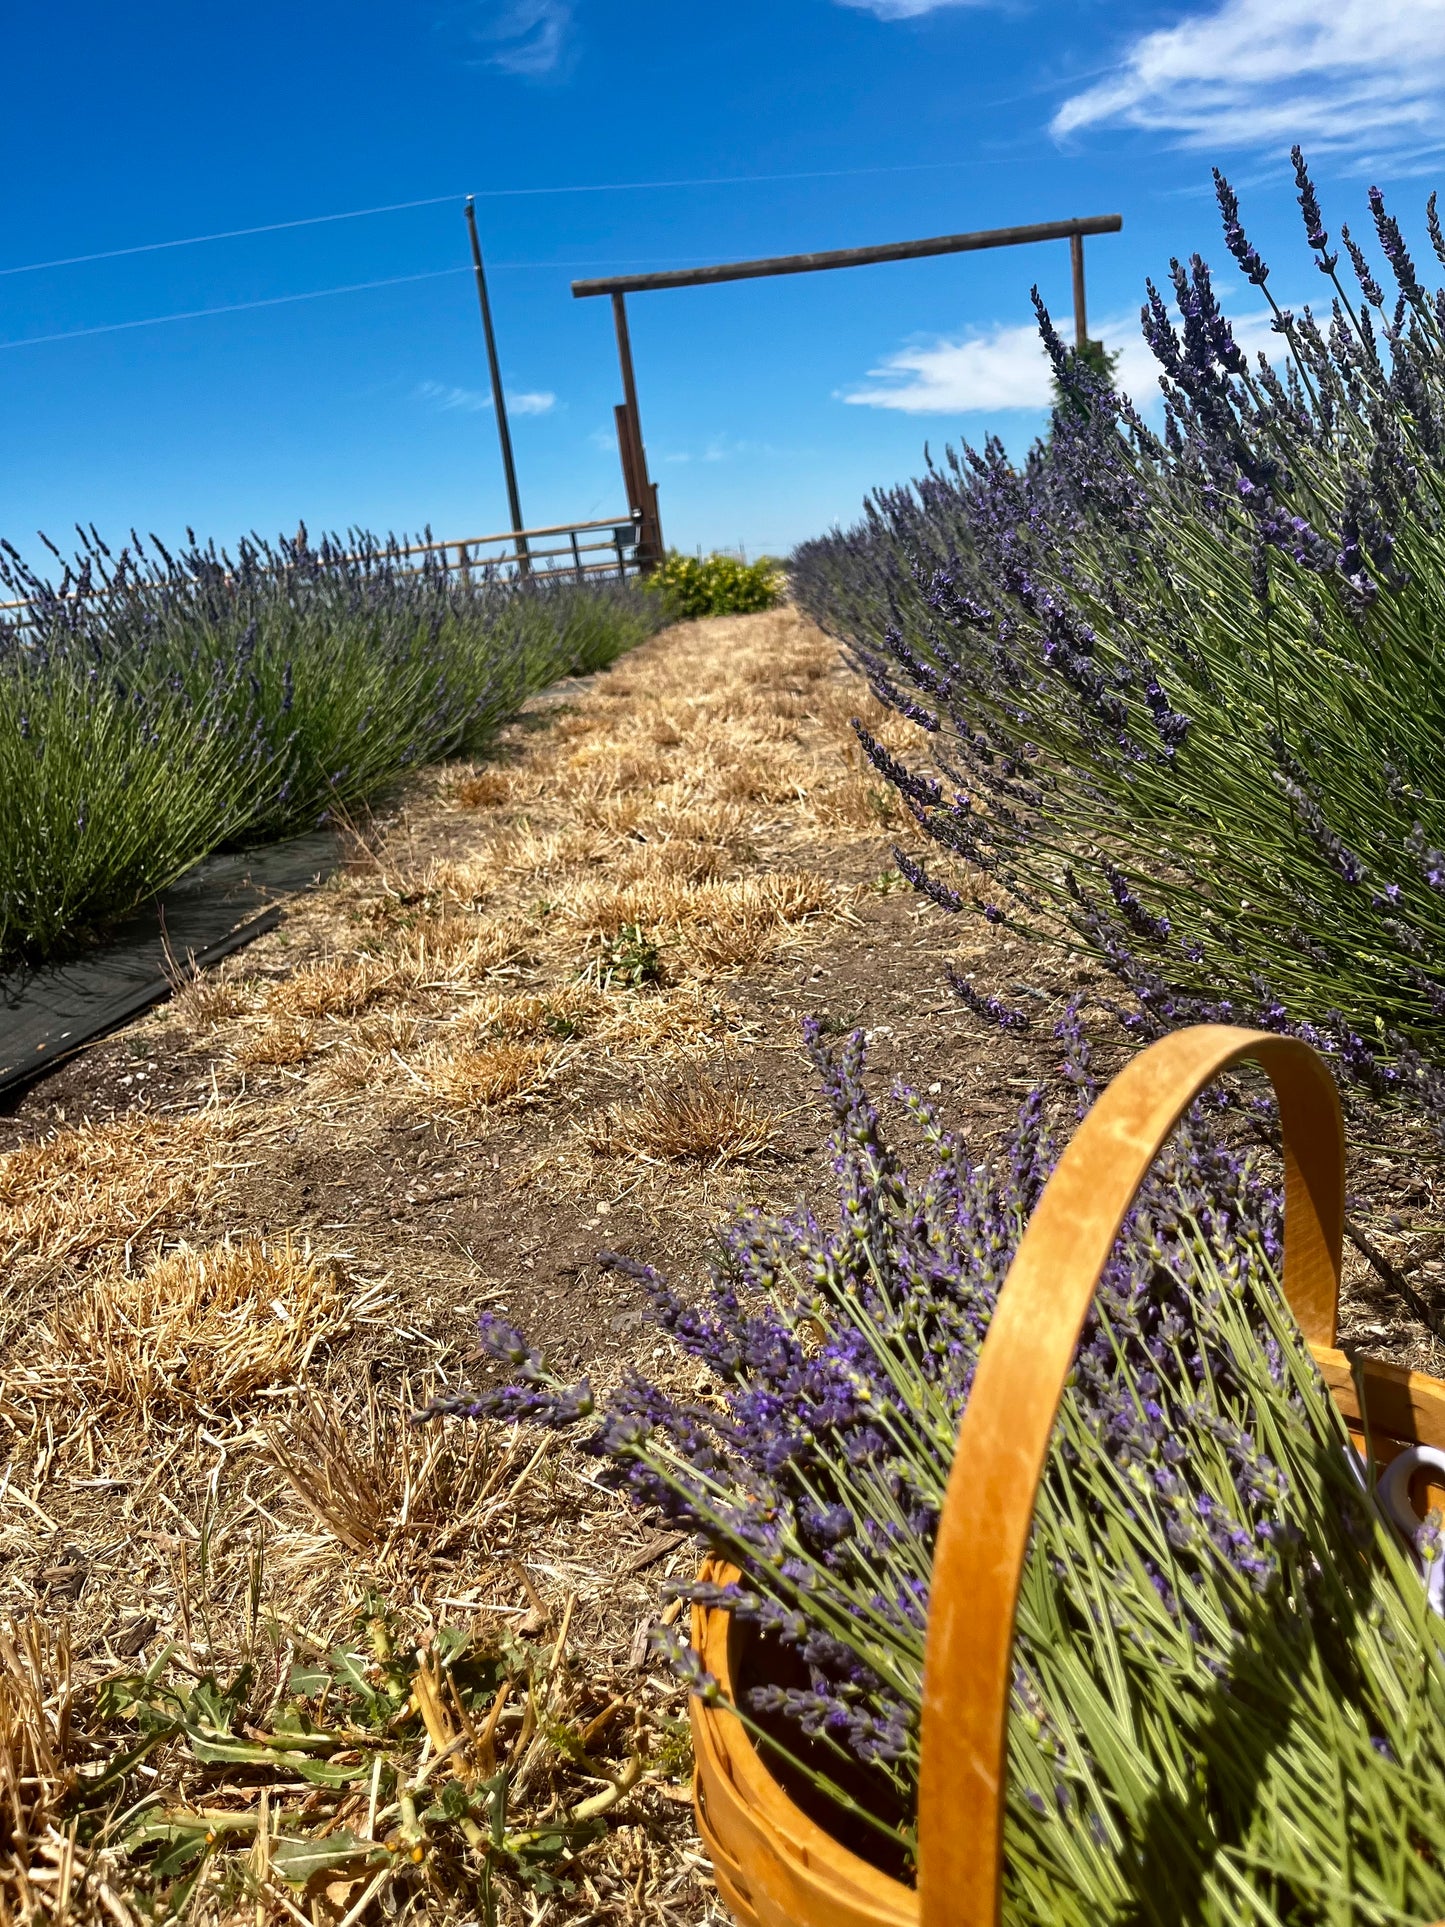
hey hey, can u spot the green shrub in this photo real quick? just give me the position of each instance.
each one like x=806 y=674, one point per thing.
x=716 y=585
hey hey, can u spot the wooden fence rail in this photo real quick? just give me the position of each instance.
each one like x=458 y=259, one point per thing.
x=578 y=550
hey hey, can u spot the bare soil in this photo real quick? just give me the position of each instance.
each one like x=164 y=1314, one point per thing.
x=552 y=1006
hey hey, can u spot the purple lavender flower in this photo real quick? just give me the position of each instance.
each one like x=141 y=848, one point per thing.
x=1235 y=239
x=1310 y=207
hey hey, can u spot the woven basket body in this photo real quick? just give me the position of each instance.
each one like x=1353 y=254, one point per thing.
x=775 y=1866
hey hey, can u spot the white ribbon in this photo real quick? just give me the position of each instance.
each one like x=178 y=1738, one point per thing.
x=1393 y=1491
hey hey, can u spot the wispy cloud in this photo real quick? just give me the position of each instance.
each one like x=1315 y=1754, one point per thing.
x=1005 y=367
x=907 y=9
x=526 y=37
x=1333 y=74
x=470 y=400
x=473 y=401
x=722 y=448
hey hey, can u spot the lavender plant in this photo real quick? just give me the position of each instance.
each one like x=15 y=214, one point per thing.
x=1182 y=690
x=156 y=706
x=1228 y=1694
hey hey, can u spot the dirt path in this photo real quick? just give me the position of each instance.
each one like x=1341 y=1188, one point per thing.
x=553 y=1006
x=556 y=1000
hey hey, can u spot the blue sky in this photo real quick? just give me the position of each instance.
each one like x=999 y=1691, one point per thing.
x=769 y=409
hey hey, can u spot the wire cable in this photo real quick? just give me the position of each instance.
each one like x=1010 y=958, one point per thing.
x=233 y=307
x=310 y=294
x=485 y=194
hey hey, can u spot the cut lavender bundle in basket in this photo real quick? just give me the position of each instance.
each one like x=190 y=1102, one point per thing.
x=1229 y=1687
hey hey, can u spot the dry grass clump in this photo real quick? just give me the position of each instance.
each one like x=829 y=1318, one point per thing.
x=661 y=903
x=43 y=1877
x=753 y=781
x=377 y=1483
x=471 y=883
x=533 y=853
x=368 y=1058
x=681 y=1017
x=736 y=924
x=281 y=1041
x=493 y=1074
x=705 y=820
x=200 y=1329
x=106 y=1184
x=671 y=859
x=450 y=952
x=837 y=705
x=699 y=1117
x=204 y=998
x=484 y=789
x=562 y=1012
x=856 y=803
x=739 y=940
x=686 y=1017
x=608 y=766
x=386 y=1033
x=331 y=987
x=789 y=669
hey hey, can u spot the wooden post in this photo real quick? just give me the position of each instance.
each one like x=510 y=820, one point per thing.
x=641 y=492
x=499 y=400
x=646 y=496
x=627 y=454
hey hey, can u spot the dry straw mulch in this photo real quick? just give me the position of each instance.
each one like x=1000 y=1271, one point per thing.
x=273 y=1651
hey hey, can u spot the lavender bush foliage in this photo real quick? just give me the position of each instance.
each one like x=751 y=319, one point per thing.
x=159 y=706
x=1226 y=1676
x=1182 y=690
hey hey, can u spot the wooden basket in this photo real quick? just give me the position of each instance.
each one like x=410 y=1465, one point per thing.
x=775 y=1867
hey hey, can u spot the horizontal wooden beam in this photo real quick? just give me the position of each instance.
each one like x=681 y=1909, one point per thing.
x=996 y=237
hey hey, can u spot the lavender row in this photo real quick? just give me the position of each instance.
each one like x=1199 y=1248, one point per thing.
x=1179 y=688
x=158 y=706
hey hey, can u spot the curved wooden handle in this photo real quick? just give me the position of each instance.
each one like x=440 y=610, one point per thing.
x=1007 y=1424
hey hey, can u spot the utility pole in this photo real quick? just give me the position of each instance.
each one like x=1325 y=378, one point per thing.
x=499 y=400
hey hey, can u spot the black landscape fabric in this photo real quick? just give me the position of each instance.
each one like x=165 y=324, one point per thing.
x=224 y=902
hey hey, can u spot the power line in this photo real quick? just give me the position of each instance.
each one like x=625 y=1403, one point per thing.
x=233 y=307
x=229 y=234
x=485 y=194
x=282 y=300
x=722 y=180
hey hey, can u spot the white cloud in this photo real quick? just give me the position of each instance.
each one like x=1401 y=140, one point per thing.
x=1331 y=74
x=907 y=9
x=527 y=37
x=473 y=401
x=1005 y=367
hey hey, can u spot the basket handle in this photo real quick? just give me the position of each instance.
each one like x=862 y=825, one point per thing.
x=1022 y=1367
